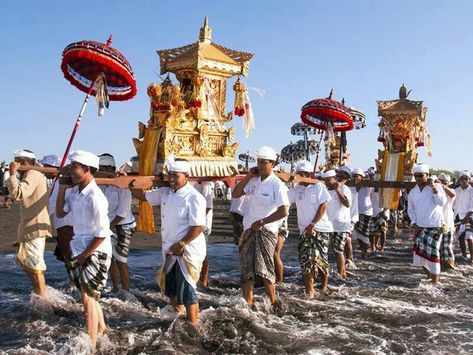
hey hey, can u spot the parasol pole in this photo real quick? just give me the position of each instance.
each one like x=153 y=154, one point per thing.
x=306 y=148
x=76 y=126
x=318 y=152
x=74 y=131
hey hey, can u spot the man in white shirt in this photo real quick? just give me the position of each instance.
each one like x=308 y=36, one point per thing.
x=268 y=203
x=338 y=212
x=91 y=246
x=463 y=208
x=206 y=189
x=425 y=209
x=364 y=226
x=63 y=226
x=183 y=242
x=314 y=227
x=357 y=175
x=447 y=257
x=5 y=192
x=379 y=222
x=122 y=224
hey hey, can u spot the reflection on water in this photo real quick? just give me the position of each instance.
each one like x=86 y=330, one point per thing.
x=386 y=308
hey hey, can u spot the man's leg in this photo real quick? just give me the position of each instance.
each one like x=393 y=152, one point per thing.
x=470 y=249
x=348 y=250
x=38 y=282
x=113 y=271
x=382 y=240
x=435 y=278
x=101 y=328
x=341 y=264
x=309 y=279
x=364 y=249
x=204 y=274
x=179 y=308
x=278 y=265
x=91 y=316
x=324 y=286
x=270 y=290
x=124 y=275
x=462 y=242
x=192 y=312
x=247 y=290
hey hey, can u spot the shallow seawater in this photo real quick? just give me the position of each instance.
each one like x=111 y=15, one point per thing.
x=385 y=308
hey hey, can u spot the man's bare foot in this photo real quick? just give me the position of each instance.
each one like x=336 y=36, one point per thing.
x=310 y=294
x=103 y=331
x=204 y=284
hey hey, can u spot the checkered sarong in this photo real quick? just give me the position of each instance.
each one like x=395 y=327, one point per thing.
x=338 y=241
x=427 y=244
x=283 y=229
x=365 y=225
x=446 y=247
x=121 y=241
x=461 y=228
x=313 y=252
x=92 y=276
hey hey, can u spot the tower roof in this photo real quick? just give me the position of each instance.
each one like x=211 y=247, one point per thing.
x=205 y=55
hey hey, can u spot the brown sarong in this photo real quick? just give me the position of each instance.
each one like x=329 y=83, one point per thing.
x=257 y=255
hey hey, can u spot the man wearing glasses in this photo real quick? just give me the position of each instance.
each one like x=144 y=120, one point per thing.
x=425 y=209
x=463 y=208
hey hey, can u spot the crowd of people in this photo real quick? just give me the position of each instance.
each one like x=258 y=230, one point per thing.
x=94 y=225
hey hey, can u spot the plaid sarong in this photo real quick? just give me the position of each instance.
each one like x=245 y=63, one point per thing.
x=365 y=225
x=121 y=241
x=92 y=276
x=313 y=252
x=237 y=224
x=427 y=244
x=460 y=228
x=257 y=255
x=338 y=240
x=379 y=223
x=283 y=229
x=446 y=248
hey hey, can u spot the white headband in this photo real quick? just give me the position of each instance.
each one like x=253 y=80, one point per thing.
x=23 y=154
x=106 y=160
x=358 y=171
x=304 y=166
x=266 y=153
x=421 y=168
x=51 y=160
x=180 y=166
x=329 y=173
x=84 y=158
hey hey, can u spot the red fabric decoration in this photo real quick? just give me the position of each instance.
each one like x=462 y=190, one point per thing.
x=317 y=113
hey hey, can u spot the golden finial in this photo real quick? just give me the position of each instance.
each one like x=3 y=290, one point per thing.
x=205 y=32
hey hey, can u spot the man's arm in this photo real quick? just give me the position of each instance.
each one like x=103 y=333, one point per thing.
x=60 y=201
x=21 y=189
x=238 y=191
x=94 y=244
x=318 y=215
x=194 y=232
x=343 y=199
x=280 y=213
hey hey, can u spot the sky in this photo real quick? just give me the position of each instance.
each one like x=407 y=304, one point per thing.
x=363 y=49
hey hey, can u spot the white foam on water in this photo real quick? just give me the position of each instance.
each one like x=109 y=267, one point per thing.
x=79 y=344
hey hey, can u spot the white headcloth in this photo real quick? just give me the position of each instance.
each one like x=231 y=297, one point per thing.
x=51 y=160
x=21 y=153
x=84 y=158
x=106 y=160
x=266 y=153
x=329 y=173
x=421 y=168
x=304 y=166
x=358 y=171
x=179 y=166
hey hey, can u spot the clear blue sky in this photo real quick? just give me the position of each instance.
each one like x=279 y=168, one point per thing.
x=364 y=50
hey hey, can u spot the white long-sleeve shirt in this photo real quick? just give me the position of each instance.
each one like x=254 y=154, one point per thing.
x=426 y=208
x=354 y=205
x=463 y=201
x=365 y=206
